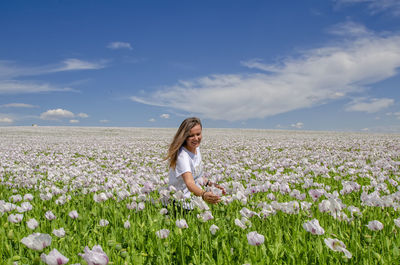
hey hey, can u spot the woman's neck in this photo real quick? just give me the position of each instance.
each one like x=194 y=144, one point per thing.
x=190 y=150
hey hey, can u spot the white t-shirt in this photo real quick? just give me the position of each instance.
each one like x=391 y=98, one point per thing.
x=186 y=162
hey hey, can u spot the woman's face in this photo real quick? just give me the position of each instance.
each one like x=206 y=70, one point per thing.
x=194 y=138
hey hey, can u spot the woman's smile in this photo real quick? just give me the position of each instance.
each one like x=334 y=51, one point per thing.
x=194 y=139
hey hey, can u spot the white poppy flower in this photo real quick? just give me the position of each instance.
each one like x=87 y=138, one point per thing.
x=37 y=241
x=375 y=225
x=181 y=223
x=313 y=227
x=54 y=258
x=255 y=239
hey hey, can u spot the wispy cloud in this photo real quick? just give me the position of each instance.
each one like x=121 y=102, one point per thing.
x=376 y=6
x=11 y=73
x=394 y=114
x=18 y=105
x=76 y=64
x=11 y=70
x=316 y=77
x=82 y=115
x=369 y=105
x=119 y=45
x=6 y=120
x=350 y=28
x=19 y=87
x=73 y=121
x=298 y=125
x=164 y=116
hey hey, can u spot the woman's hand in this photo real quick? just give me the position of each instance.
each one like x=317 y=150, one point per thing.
x=210 y=197
x=221 y=188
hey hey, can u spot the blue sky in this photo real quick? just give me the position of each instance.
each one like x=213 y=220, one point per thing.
x=297 y=65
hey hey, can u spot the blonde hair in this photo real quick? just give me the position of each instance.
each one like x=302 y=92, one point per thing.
x=180 y=139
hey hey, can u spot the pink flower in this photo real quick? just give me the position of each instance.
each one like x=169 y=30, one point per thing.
x=181 y=223
x=271 y=196
x=28 y=197
x=397 y=222
x=375 y=225
x=205 y=216
x=15 y=218
x=7 y=207
x=16 y=198
x=141 y=206
x=337 y=245
x=127 y=224
x=25 y=206
x=96 y=256
x=103 y=222
x=73 y=214
x=50 y=215
x=131 y=206
x=178 y=195
x=100 y=198
x=255 y=239
x=315 y=194
x=213 y=229
x=54 y=258
x=163 y=233
x=240 y=224
x=59 y=232
x=313 y=227
x=305 y=205
x=32 y=223
x=37 y=241
x=247 y=213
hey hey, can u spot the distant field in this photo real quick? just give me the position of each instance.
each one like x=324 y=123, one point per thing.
x=311 y=197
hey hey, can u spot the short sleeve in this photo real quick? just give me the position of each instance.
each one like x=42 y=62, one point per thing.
x=182 y=164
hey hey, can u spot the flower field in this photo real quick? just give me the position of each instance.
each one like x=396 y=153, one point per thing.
x=98 y=196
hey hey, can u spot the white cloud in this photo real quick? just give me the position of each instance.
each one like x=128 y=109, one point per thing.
x=376 y=6
x=119 y=45
x=385 y=129
x=297 y=125
x=164 y=116
x=73 y=121
x=82 y=115
x=10 y=72
x=316 y=77
x=395 y=114
x=369 y=105
x=55 y=114
x=104 y=121
x=6 y=120
x=76 y=64
x=350 y=28
x=18 y=87
x=258 y=64
x=18 y=105
x=152 y=120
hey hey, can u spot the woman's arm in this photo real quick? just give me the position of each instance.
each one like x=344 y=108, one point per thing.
x=196 y=190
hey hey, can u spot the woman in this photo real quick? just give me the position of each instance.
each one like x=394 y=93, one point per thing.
x=186 y=167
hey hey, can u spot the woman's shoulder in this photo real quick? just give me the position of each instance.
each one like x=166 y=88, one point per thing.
x=183 y=152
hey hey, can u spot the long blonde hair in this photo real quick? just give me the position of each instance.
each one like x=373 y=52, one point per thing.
x=180 y=139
